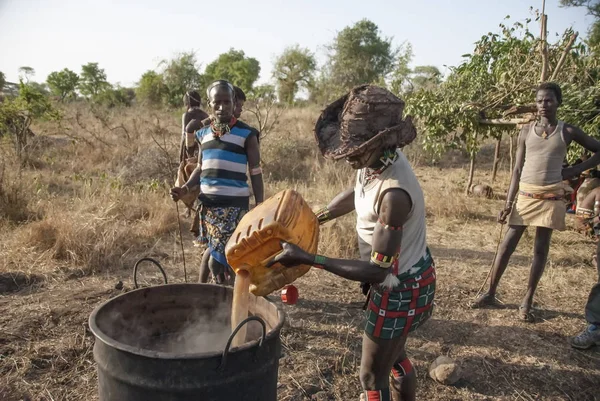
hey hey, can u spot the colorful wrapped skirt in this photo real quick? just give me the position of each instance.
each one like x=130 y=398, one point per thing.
x=397 y=312
x=217 y=224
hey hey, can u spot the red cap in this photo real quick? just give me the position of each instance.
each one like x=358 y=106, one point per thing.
x=289 y=295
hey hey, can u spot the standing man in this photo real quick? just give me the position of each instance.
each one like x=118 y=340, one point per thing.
x=227 y=148
x=366 y=129
x=591 y=335
x=537 y=179
x=240 y=99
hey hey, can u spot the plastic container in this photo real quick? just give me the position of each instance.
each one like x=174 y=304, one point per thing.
x=289 y=295
x=285 y=216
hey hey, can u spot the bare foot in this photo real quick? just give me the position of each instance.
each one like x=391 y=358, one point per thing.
x=525 y=314
x=486 y=299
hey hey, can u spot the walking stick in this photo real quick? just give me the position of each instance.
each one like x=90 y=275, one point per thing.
x=181 y=241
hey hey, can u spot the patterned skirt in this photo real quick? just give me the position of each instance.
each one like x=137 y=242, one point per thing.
x=217 y=224
x=397 y=312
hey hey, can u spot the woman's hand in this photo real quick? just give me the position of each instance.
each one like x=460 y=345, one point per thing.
x=291 y=255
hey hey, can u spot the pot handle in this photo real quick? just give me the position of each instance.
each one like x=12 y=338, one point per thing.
x=239 y=326
x=137 y=264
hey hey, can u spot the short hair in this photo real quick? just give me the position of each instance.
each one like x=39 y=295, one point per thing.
x=192 y=99
x=239 y=94
x=553 y=87
x=217 y=83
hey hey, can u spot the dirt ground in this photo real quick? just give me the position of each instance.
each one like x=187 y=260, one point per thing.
x=46 y=346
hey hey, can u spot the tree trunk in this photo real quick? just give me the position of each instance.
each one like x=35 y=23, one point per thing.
x=496 y=158
x=471 y=173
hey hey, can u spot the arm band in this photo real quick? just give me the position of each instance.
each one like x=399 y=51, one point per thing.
x=256 y=171
x=388 y=227
x=323 y=215
x=383 y=261
x=319 y=261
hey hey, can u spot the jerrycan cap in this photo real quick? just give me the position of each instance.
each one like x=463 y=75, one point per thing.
x=289 y=295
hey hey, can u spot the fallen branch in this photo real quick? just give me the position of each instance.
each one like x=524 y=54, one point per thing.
x=521 y=109
x=502 y=121
x=563 y=56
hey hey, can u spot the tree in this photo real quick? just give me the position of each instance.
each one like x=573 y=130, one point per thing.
x=359 y=55
x=496 y=82
x=593 y=8
x=235 y=67
x=151 y=89
x=180 y=75
x=26 y=72
x=293 y=69
x=92 y=80
x=63 y=83
x=2 y=80
x=400 y=76
x=425 y=77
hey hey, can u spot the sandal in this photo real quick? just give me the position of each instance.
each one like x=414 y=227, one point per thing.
x=486 y=299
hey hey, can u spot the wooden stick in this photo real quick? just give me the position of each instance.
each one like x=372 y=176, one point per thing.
x=471 y=174
x=502 y=121
x=544 y=43
x=496 y=158
x=563 y=56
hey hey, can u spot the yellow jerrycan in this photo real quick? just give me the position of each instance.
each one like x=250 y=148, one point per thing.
x=285 y=216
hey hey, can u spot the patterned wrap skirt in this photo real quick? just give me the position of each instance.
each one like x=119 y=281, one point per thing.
x=397 y=312
x=217 y=224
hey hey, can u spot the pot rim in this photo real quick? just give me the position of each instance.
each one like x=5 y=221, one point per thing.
x=103 y=337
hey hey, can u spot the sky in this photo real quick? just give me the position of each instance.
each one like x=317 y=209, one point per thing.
x=129 y=37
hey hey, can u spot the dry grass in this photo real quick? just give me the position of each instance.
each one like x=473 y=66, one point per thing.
x=93 y=199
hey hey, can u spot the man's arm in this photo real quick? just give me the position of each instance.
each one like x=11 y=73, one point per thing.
x=516 y=174
x=387 y=238
x=589 y=143
x=256 y=177
x=182 y=145
x=342 y=204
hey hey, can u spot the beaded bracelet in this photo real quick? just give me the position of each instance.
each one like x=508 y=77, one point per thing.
x=319 y=261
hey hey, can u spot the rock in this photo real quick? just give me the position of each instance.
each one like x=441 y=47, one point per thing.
x=320 y=396
x=482 y=190
x=445 y=370
x=119 y=285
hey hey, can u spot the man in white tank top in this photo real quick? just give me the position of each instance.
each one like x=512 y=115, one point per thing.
x=537 y=179
x=366 y=128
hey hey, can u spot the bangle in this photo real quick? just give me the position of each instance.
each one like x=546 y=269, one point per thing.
x=319 y=261
x=323 y=215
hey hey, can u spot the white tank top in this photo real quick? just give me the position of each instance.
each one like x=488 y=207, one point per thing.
x=367 y=201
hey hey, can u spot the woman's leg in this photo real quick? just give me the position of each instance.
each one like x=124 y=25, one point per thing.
x=378 y=358
x=505 y=251
x=403 y=385
x=540 y=256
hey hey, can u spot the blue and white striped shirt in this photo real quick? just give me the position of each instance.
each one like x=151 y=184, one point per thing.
x=223 y=181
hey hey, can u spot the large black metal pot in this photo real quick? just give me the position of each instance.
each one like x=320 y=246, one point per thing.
x=132 y=367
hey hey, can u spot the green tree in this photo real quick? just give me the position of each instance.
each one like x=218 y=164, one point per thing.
x=593 y=8
x=2 y=80
x=63 y=83
x=294 y=69
x=400 y=76
x=151 y=89
x=115 y=97
x=92 y=80
x=180 y=75
x=360 y=55
x=425 y=77
x=235 y=67
x=26 y=72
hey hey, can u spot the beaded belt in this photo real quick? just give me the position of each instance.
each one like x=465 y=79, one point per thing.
x=541 y=196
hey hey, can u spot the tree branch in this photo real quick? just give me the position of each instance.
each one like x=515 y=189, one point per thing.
x=563 y=56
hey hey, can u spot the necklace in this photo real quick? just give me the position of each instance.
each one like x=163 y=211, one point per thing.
x=543 y=126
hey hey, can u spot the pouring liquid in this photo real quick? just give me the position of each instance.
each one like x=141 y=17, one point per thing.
x=239 y=307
